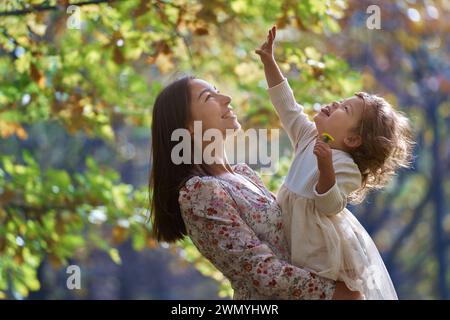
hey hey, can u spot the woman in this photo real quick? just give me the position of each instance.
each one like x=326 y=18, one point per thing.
x=231 y=217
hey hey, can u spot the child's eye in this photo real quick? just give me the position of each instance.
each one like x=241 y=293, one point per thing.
x=209 y=96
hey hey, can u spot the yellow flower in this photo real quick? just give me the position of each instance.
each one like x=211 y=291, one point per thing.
x=327 y=137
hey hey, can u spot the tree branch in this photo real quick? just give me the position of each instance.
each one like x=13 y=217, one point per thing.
x=40 y=8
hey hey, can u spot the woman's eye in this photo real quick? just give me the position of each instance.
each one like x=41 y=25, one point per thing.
x=209 y=96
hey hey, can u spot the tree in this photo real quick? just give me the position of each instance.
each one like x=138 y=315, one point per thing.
x=406 y=60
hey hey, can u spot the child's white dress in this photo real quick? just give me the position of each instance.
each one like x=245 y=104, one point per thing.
x=323 y=235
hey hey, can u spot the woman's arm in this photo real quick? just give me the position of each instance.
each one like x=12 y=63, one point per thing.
x=216 y=228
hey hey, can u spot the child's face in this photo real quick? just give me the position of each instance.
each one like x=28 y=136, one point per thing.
x=211 y=107
x=340 y=119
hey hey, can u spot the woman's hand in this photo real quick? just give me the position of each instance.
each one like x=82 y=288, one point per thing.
x=343 y=293
x=265 y=52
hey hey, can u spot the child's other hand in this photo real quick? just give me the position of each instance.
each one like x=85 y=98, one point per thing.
x=265 y=52
x=323 y=153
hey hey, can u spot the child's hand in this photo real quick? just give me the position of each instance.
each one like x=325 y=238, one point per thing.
x=323 y=153
x=325 y=165
x=265 y=52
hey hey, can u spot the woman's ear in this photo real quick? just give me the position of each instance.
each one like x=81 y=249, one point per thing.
x=353 y=141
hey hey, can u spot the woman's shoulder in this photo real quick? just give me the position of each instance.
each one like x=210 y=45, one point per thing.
x=205 y=195
x=244 y=169
x=214 y=185
x=200 y=182
x=204 y=188
x=197 y=182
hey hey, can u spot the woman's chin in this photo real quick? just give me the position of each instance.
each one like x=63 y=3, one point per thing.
x=236 y=125
x=233 y=124
x=231 y=130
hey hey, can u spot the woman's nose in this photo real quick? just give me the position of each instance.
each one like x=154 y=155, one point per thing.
x=226 y=99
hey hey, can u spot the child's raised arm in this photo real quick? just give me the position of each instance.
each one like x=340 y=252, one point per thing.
x=271 y=69
x=294 y=120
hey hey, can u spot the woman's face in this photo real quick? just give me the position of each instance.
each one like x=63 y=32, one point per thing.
x=211 y=107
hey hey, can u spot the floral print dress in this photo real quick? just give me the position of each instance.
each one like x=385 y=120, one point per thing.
x=241 y=232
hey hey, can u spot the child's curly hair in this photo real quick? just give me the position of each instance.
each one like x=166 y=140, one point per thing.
x=386 y=144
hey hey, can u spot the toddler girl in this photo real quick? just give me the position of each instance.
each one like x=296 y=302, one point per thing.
x=366 y=141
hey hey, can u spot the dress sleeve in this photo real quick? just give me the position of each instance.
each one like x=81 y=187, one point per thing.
x=348 y=179
x=213 y=222
x=293 y=119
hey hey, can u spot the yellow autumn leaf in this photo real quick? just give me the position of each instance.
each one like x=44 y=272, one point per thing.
x=164 y=63
x=8 y=129
x=248 y=72
x=23 y=63
x=21 y=133
x=38 y=28
x=115 y=256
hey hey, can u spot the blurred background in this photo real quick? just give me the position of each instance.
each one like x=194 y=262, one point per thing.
x=77 y=83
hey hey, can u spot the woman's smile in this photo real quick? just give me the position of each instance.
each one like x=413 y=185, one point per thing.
x=229 y=114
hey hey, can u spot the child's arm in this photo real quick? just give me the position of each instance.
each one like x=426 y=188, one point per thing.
x=337 y=179
x=273 y=73
x=327 y=177
x=293 y=119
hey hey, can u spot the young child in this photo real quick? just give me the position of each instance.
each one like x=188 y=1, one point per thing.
x=352 y=146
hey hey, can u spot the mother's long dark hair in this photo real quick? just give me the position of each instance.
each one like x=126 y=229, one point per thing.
x=171 y=111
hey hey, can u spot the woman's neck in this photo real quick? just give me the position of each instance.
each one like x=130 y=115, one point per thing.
x=221 y=165
x=215 y=158
x=221 y=169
